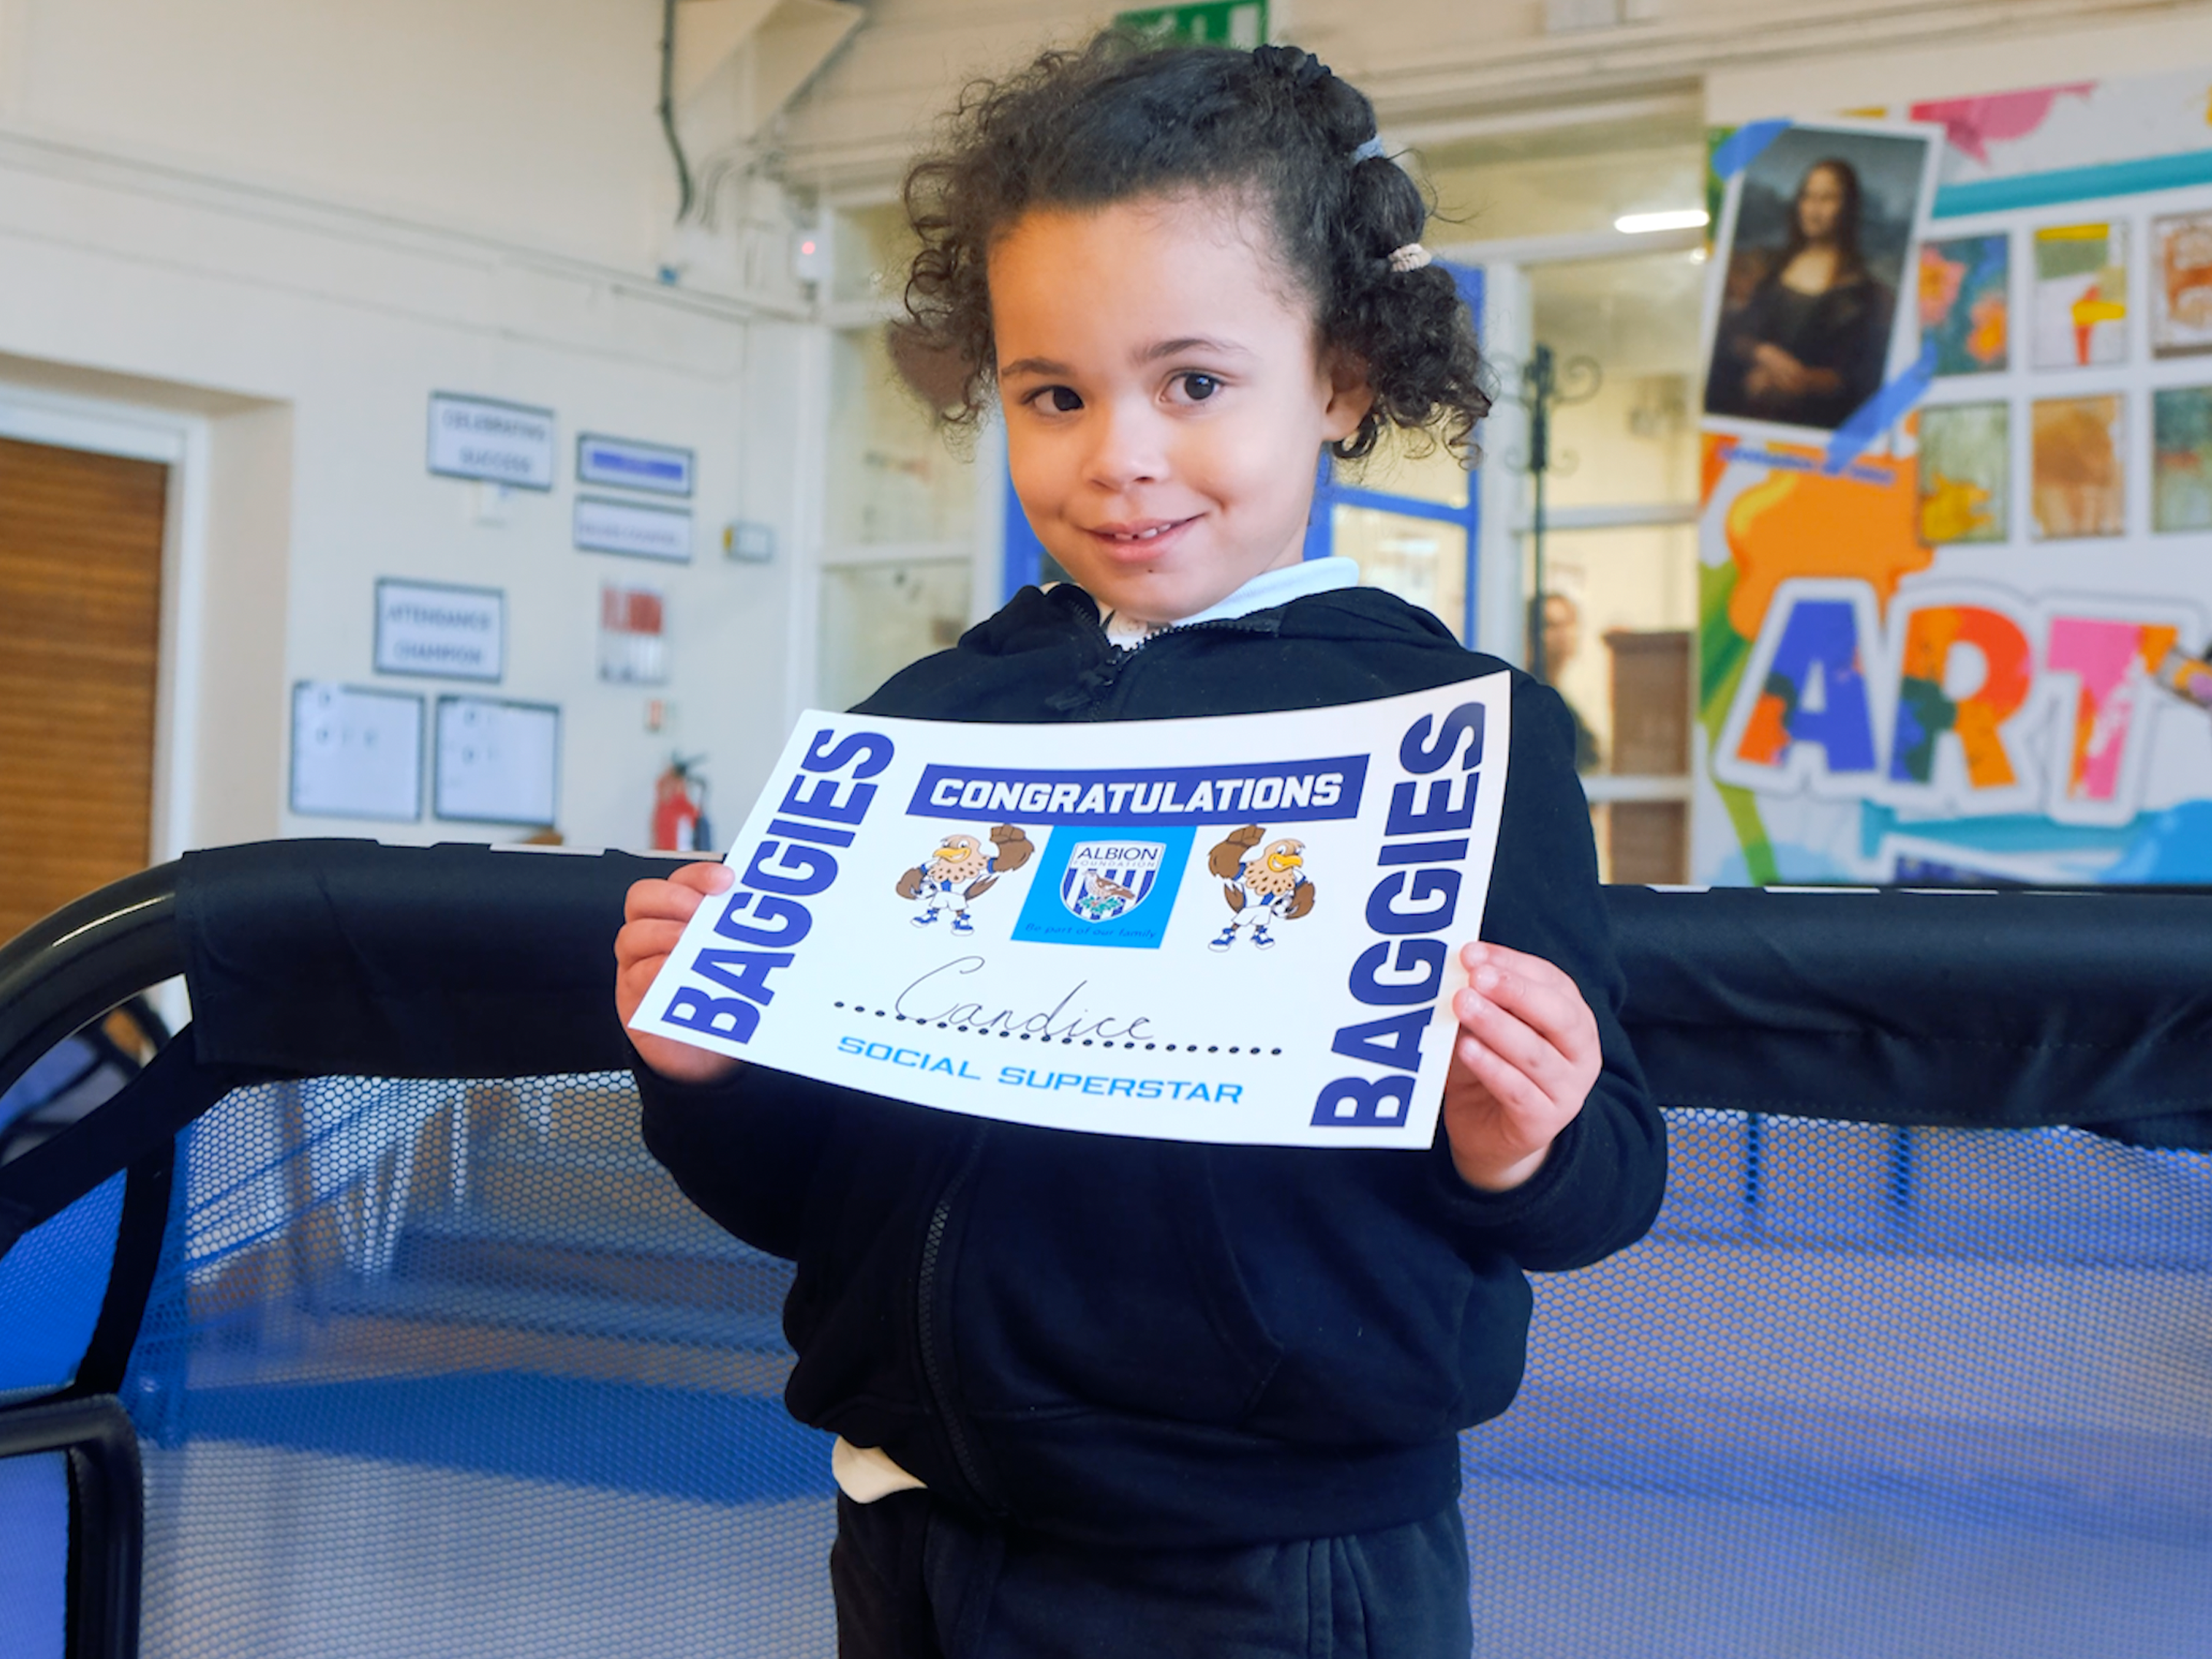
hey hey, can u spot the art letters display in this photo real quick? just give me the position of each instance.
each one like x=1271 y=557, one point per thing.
x=1236 y=930
x=1966 y=637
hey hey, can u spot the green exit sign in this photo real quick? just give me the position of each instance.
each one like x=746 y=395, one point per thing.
x=1206 y=23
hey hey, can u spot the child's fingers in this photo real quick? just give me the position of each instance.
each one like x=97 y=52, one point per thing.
x=632 y=982
x=1513 y=1088
x=646 y=941
x=1507 y=960
x=707 y=875
x=1512 y=1042
x=675 y=897
x=1536 y=991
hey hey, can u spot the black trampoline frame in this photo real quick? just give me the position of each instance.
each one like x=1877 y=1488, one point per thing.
x=2021 y=1009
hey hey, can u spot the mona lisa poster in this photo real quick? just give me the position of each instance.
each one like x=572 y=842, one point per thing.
x=1960 y=633
x=1811 y=316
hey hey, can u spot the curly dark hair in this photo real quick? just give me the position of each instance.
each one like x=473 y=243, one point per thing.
x=1123 y=118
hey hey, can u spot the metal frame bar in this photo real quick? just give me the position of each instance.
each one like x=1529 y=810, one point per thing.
x=107 y=1515
x=59 y=975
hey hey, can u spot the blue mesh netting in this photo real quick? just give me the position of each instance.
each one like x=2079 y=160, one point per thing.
x=1868 y=1391
x=35 y=1514
x=51 y=1287
x=453 y=1368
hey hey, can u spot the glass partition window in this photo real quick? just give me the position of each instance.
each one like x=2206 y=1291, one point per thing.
x=877 y=619
x=1422 y=560
x=1637 y=317
x=1409 y=464
x=901 y=510
x=892 y=479
x=869 y=248
x=1619 y=609
x=1565 y=180
x=1406 y=512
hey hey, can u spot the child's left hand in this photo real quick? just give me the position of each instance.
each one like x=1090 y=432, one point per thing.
x=1525 y=1062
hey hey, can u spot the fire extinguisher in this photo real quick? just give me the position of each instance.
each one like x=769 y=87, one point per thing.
x=679 y=808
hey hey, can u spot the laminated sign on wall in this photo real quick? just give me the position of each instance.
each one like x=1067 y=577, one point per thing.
x=486 y=438
x=433 y=627
x=1236 y=930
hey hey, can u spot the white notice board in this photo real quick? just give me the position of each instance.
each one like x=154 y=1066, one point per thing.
x=497 y=762
x=355 y=754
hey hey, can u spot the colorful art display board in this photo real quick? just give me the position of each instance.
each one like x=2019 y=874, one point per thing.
x=2080 y=311
x=1241 y=931
x=1974 y=650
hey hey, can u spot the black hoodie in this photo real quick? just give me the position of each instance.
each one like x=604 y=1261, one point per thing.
x=1149 y=1344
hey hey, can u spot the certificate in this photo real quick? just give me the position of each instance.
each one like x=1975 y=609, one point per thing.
x=1237 y=930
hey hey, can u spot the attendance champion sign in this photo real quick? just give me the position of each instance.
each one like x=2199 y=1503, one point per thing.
x=1238 y=930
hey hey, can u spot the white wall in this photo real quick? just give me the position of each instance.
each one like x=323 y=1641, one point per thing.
x=1451 y=64
x=2125 y=41
x=293 y=222
x=524 y=121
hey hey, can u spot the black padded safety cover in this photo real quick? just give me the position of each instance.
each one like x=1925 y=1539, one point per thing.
x=2006 y=1009
x=1996 y=1009
x=350 y=958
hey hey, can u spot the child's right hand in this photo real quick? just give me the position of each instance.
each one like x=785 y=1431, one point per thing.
x=653 y=920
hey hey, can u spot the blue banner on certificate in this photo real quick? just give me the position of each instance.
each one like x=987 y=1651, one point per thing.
x=1239 y=930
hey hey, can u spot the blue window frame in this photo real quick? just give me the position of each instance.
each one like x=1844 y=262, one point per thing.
x=1026 y=561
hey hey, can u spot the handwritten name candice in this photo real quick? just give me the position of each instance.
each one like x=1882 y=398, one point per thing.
x=918 y=1000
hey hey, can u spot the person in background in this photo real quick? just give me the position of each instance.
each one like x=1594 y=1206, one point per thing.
x=1556 y=621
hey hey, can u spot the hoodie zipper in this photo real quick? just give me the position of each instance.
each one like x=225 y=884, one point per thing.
x=933 y=1363
x=1101 y=682
x=1105 y=678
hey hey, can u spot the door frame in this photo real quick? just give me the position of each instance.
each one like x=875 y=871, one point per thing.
x=178 y=439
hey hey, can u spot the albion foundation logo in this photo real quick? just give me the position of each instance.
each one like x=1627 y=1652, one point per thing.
x=1105 y=888
x=1105 y=880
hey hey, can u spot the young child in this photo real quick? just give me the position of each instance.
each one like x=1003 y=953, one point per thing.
x=1110 y=1396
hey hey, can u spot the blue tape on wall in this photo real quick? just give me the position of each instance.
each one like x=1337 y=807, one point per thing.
x=1873 y=416
x=1741 y=148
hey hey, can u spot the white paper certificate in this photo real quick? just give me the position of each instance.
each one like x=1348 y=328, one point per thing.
x=1243 y=929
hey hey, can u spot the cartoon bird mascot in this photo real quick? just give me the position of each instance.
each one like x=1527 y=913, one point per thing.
x=962 y=868
x=1261 y=884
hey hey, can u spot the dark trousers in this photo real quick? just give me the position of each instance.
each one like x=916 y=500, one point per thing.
x=916 y=1580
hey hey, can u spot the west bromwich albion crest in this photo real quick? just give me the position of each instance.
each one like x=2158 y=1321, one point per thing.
x=1106 y=879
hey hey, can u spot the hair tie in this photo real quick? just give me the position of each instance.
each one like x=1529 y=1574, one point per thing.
x=1300 y=68
x=1368 y=151
x=1412 y=257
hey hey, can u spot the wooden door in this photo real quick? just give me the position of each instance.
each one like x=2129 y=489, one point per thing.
x=80 y=632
